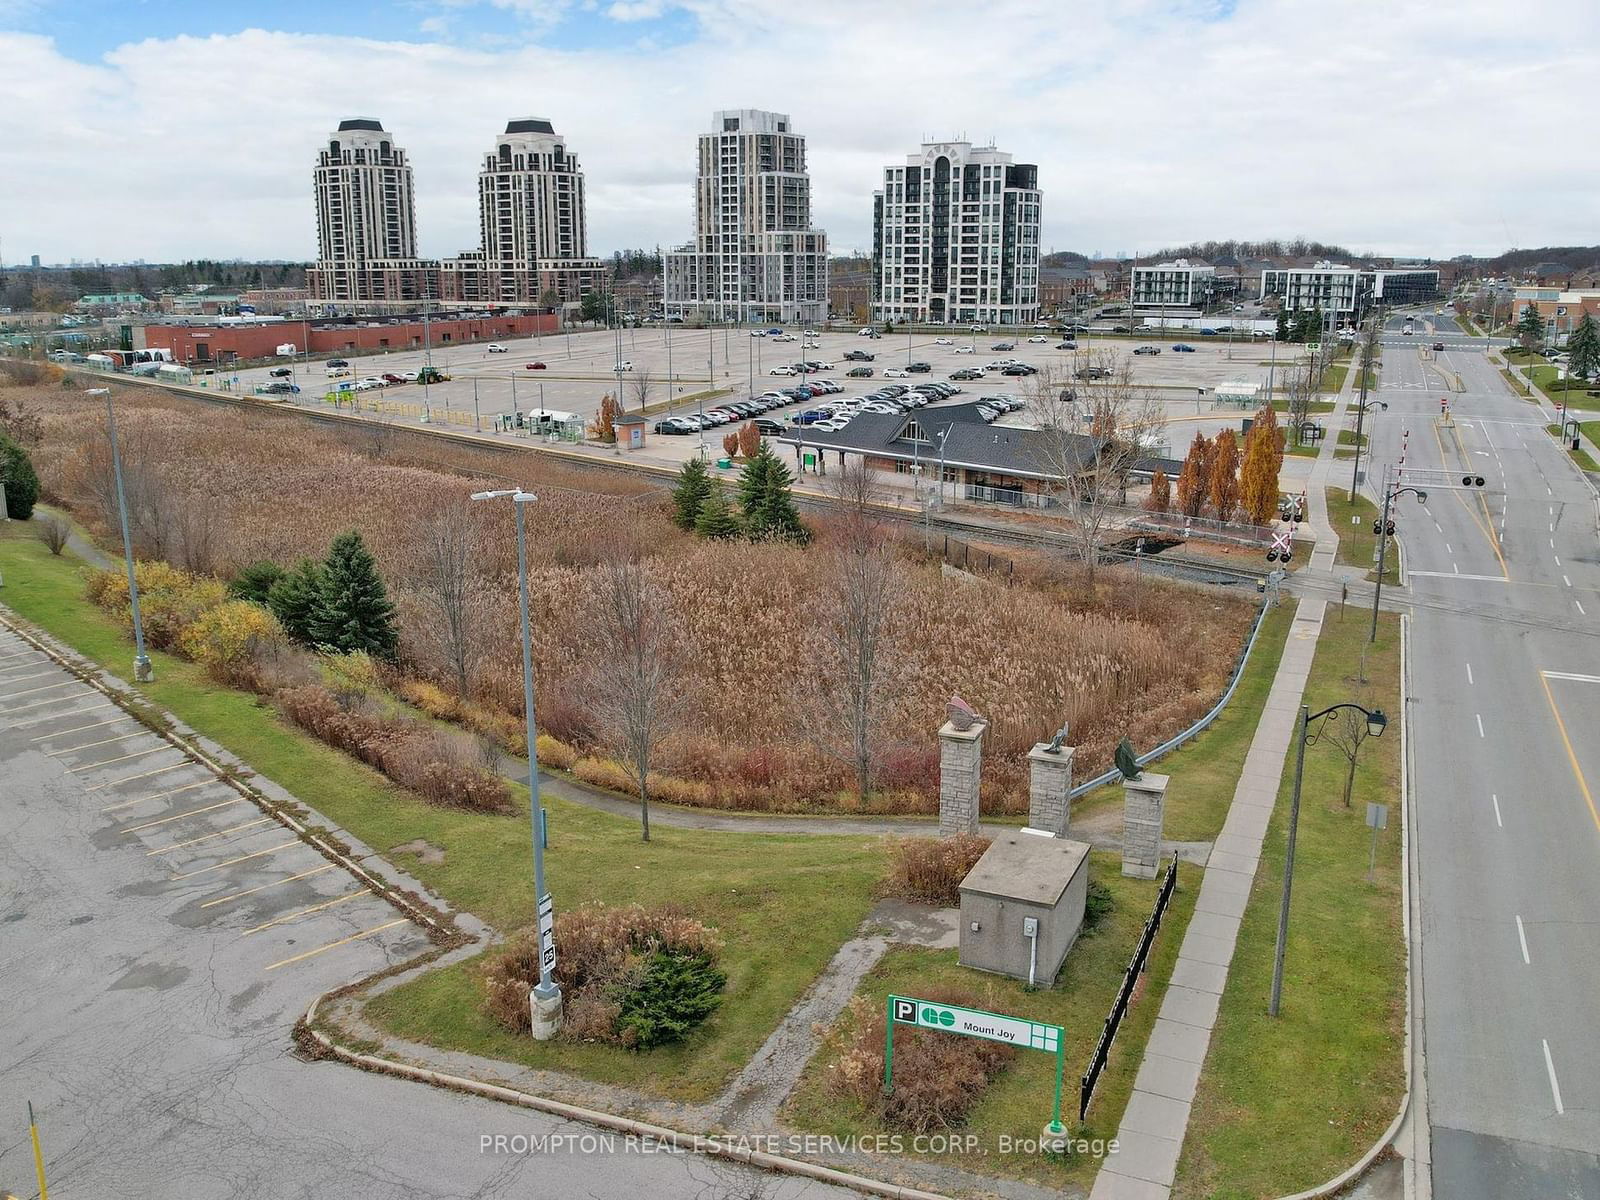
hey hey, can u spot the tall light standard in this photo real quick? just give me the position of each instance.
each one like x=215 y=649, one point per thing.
x=1390 y=495
x=1361 y=412
x=1376 y=723
x=545 y=1003
x=142 y=672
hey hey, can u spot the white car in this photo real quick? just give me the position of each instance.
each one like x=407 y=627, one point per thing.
x=978 y=328
x=374 y=381
x=408 y=376
x=784 y=337
x=943 y=342
x=966 y=350
x=366 y=385
x=781 y=371
x=623 y=366
x=864 y=332
x=896 y=373
x=758 y=333
x=998 y=364
x=495 y=348
x=1037 y=338
x=831 y=425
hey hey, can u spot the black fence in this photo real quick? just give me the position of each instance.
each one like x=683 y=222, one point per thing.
x=963 y=556
x=1141 y=958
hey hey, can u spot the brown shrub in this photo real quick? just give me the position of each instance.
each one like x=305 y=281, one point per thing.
x=930 y=870
x=553 y=752
x=606 y=773
x=937 y=1077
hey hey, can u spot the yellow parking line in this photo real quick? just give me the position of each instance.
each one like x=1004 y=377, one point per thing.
x=77 y=712
x=240 y=859
x=122 y=758
x=188 y=787
x=187 y=762
x=331 y=945
x=307 y=911
x=1572 y=758
x=45 y=737
x=190 y=812
x=264 y=886
x=47 y=687
x=121 y=737
x=208 y=836
x=11 y=712
x=25 y=678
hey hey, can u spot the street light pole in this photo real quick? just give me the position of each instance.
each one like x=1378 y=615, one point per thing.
x=1390 y=494
x=142 y=672
x=545 y=1002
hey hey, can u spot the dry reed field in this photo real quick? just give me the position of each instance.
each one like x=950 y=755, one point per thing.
x=214 y=488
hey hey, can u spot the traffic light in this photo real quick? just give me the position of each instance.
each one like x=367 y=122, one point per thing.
x=1472 y=481
x=1377 y=526
x=1272 y=556
x=1390 y=529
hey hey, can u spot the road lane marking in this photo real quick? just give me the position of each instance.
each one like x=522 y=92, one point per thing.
x=188 y=787
x=1566 y=581
x=188 y=812
x=187 y=762
x=342 y=941
x=77 y=712
x=122 y=758
x=1568 y=675
x=1447 y=549
x=1497 y=819
x=307 y=911
x=264 y=886
x=1557 y=557
x=45 y=737
x=240 y=859
x=1457 y=574
x=1469 y=672
x=1555 y=1088
x=1523 y=938
x=1572 y=757
x=1479 y=717
x=208 y=836
x=1581 y=613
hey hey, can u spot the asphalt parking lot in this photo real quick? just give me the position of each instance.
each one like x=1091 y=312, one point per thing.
x=161 y=935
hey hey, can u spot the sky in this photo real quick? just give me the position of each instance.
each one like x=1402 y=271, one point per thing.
x=164 y=131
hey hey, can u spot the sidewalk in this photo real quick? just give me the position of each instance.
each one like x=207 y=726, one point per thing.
x=1326 y=551
x=1157 y=1117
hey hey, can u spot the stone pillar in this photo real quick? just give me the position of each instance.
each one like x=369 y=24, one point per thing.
x=1144 y=805
x=1049 y=781
x=960 y=770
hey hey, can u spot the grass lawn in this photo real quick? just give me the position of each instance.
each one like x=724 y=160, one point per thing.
x=1349 y=437
x=1582 y=457
x=1309 y=451
x=1018 y=1102
x=1333 y=377
x=747 y=885
x=1356 y=539
x=1205 y=771
x=1287 y=1102
x=1281 y=404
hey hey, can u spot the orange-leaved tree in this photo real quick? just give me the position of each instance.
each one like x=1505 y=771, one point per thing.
x=1195 y=476
x=1160 y=498
x=1224 y=482
x=1258 y=476
x=604 y=426
x=730 y=443
x=749 y=439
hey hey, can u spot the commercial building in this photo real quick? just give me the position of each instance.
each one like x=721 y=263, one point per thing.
x=955 y=237
x=1345 y=290
x=223 y=341
x=1560 y=309
x=754 y=256
x=366 y=210
x=1180 y=284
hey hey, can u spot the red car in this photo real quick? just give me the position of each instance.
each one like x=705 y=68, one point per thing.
x=536 y=366
x=389 y=378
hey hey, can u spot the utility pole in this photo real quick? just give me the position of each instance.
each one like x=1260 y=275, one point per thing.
x=1369 y=348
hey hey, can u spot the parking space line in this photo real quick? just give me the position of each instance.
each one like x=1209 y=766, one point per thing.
x=240 y=859
x=121 y=737
x=46 y=688
x=188 y=812
x=25 y=678
x=332 y=945
x=23 y=654
x=264 y=886
x=206 y=837
x=187 y=762
x=188 y=787
x=287 y=917
x=8 y=712
x=76 y=712
x=122 y=758
x=45 y=737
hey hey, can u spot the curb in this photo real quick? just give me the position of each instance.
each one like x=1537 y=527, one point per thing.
x=710 y=1145
x=1360 y=1167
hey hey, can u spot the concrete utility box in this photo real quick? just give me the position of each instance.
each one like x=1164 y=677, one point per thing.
x=1023 y=877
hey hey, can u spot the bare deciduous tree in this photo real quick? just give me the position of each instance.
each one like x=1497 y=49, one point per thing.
x=1300 y=384
x=53 y=532
x=195 y=528
x=632 y=681
x=860 y=494
x=1347 y=729
x=444 y=582
x=1089 y=446
x=640 y=388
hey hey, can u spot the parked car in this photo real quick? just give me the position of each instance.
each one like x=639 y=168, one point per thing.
x=1041 y=324
x=673 y=426
x=1040 y=338
x=338 y=362
x=536 y=366
x=1438 y=345
x=1003 y=346
x=495 y=348
x=281 y=372
x=1066 y=345
x=858 y=356
x=281 y=388
x=1183 y=348
x=1208 y=333
x=375 y=381
x=965 y=350
x=919 y=368
x=978 y=328
x=987 y=413
x=944 y=341
x=967 y=373
x=896 y=373
x=623 y=366
x=1094 y=372
x=1018 y=369
x=781 y=337
x=1120 y=329
x=409 y=376
x=758 y=333
x=859 y=373
x=1147 y=349
x=767 y=427
x=781 y=371
x=809 y=416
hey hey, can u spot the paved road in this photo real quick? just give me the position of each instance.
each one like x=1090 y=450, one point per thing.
x=1505 y=702
x=158 y=938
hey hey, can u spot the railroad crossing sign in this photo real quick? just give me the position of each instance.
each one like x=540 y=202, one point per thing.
x=973 y=1022
x=1282 y=545
x=547 y=932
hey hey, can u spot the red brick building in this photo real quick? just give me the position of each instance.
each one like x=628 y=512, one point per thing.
x=234 y=343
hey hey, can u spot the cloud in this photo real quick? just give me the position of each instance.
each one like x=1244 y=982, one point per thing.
x=640 y=10
x=1152 y=122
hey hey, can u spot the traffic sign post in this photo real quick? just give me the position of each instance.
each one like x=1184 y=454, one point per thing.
x=1377 y=818
x=547 y=933
x=973 y=1022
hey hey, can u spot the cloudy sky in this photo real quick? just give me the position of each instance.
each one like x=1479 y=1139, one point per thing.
x=168 y=130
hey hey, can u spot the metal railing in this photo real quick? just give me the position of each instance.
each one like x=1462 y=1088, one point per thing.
x=1119 y=1007
x=1172 y=744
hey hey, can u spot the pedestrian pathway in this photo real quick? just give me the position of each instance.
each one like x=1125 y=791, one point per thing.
x=1326 y=550
x=1157 y=1116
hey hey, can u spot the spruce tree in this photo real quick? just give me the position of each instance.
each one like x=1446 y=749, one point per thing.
x=1530 y=328
x=753 y=480
x=1583 y=348
x=22 y=485
x=293 y=598
x=255 y=581
x=689 y=495
x=764 y=495
x=1281 y=334
x=716 y=518
x=353 y=611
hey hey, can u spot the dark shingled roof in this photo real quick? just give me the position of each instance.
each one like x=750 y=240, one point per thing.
x=361 y=123
x=530 y=125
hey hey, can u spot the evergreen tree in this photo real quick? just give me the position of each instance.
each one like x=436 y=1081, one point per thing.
x=769 y=510
x=255 y=581
x=1282 y=332
x=716 y=518
x=753 y=480
x=293 y=598
x=1583 y=348
x=1530 y=328
x=22 y=485
x=690 y=493
x=353 y=611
